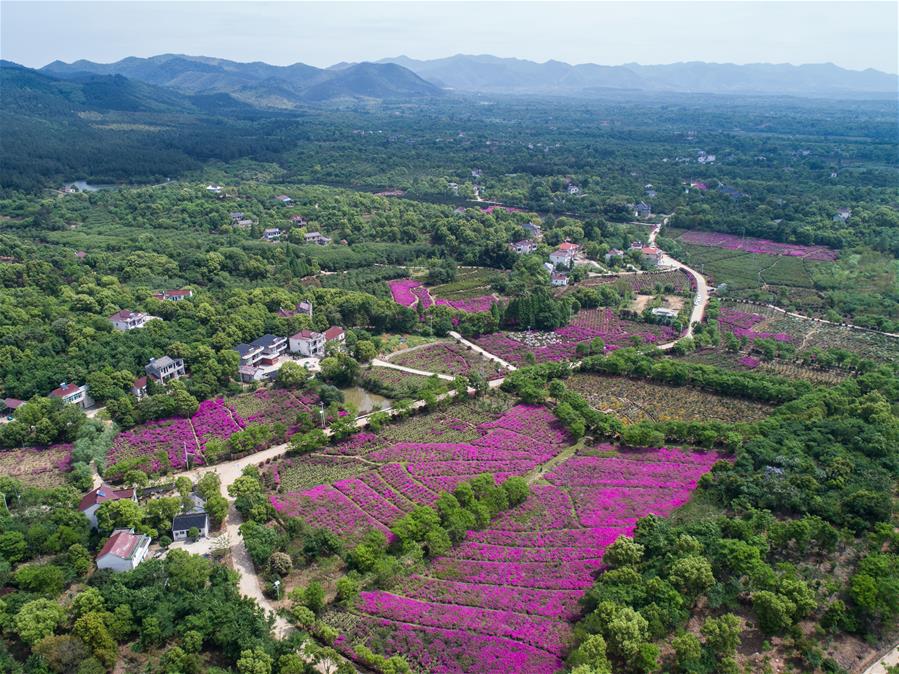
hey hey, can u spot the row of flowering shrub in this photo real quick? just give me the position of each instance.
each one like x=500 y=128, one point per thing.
x=37 y=466
x=448 y=358
x=502 y=600
x=740 y=323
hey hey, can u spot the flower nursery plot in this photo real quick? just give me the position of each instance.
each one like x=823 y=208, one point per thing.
x=397 y=384
x=758 y=246
x=448 y=358
x=37 y=466
x=503 y=599
x=676 y=281
x=163 y=445
x=637 y=400
x=270 y=406
x=381 y=478
x=411 y=293
x=562 y=343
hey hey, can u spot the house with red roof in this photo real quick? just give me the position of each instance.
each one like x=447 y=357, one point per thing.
x=96 y=497
x=308 y=343
x=335 y=334
x=72 y=394
x=650 y=256
x=139 y=388
x=564 y=254
x=123 y=551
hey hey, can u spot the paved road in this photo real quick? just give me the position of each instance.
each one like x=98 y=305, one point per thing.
x=700 y=300
x=890 y=659
x=486 y=354
x=383 y=363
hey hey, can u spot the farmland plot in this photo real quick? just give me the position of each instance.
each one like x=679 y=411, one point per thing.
x=448 y=358
x=637 y=400
x=37 y=466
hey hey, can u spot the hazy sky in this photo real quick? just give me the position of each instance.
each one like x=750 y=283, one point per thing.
x=854 y=35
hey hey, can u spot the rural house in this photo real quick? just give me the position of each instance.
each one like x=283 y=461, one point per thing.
x=123 y=551
x=139 y=388
x=524 y=246
x=96 y=497
x=842 y=214
x=183 y=523
x=335 y=334
x=564 y=254
x=559 y=278
x=642 y=210
x=173 y=295
x=284 y=199
x=533 y=230
x=72 y=394
x=261 y=358
x=308 y=343
x=165 y=369
x=317 y=238
x=126 y=320
x=272 y=234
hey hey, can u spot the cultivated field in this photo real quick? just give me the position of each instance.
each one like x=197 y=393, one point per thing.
x=447 y=358
x=37 y=466
x=636 y=400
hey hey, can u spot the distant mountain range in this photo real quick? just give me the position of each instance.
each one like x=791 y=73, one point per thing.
x=200 y=82
x=509 y=75
x=259 y=84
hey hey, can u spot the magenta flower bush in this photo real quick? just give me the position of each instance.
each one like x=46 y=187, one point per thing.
x=470 y=305
x=213 y=420
x=448 y=358
x=164 y=444
x=38 y=466
x=759 y=246
x=749 y=361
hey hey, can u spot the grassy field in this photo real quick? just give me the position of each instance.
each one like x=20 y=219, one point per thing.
x=469 y=283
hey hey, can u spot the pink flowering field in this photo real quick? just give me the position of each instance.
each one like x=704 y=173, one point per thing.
x=410 y=293
x=760 y=246
x=503 y=599
x=561 y=343
x=415 y=471
x=741 y=324
x=168 y=444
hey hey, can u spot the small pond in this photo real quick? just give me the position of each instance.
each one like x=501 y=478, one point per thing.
x=364 y=401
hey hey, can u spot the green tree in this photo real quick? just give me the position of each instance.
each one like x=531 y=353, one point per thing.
x=623 y=552
x=692 y=575
x=254 y=661
x=121 y=514
x=38 y=619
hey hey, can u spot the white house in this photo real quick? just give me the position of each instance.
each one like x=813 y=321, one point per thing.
x=123 y=551
x=96 y=497
x=559 y=278
x=308 y=343
x=650 y=256
x=126 y=320
x=183 y=523
x=524 y=246
x=272 y=234
x=214 y=189
x=173 y=295
x=261 y=358
x=72 y=394
x=564 y=254
x=284 y=199
x=165 y=369
x=302 y=309
x=317 y=238
x=613 y=254
x=662 y=312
